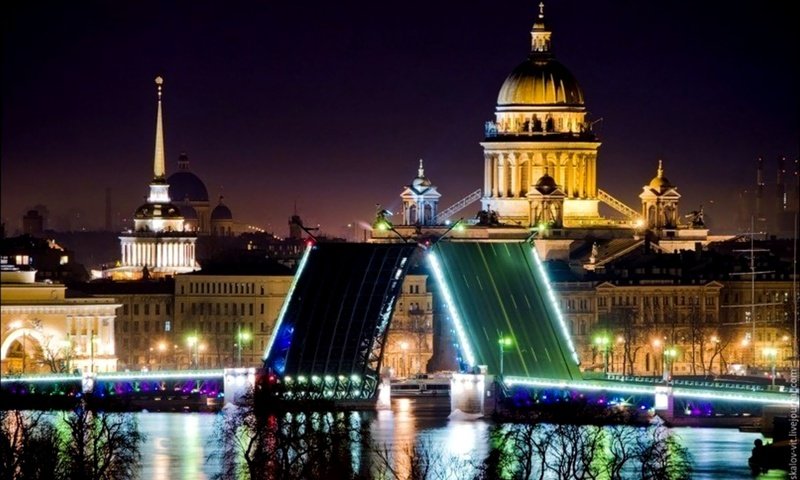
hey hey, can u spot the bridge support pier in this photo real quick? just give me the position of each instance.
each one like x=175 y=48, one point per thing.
x=472 y=394
x=664 y=402
x=238 y=382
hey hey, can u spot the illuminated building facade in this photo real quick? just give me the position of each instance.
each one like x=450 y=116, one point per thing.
x=409 y=344
x=160 y=243
x=44 y=331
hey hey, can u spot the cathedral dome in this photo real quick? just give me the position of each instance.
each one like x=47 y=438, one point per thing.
x=540 y=80
x=186 y=185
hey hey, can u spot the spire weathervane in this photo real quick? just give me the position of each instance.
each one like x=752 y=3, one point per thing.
x=421 y=171
x=541 y=9
x=660 y=169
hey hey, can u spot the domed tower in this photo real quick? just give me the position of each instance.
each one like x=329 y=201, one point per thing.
x=221 y=220
x=540 y=125
x=420 y=200
x=190 y=191
x=159 y=240
x=660 y=202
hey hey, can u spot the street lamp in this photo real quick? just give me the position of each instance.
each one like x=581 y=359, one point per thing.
x=162 y=347
x=193 y=343
x=240 y=338
x=669 y=358
x=503 y=342
x=656 y=346
x=603 y=342
x=771 y=353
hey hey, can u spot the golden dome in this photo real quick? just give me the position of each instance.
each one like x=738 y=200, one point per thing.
x=660 y=182
x=540 y=80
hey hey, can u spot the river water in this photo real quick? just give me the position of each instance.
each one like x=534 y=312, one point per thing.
x=179 y=445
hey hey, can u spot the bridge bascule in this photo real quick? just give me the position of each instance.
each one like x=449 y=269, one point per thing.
x=327 y=343
x=328 y=340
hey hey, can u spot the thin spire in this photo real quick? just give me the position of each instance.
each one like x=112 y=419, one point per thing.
x=159 y=169
x=660 y=169
x=421 y=171
x=541 y=10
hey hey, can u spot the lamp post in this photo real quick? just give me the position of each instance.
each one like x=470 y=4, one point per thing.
x=603 y=342
x=771 y=353
x=503 y=342
x=669 y=359
x=162 y=347
x=193 y=343
x=240 y=338
x=656 y=346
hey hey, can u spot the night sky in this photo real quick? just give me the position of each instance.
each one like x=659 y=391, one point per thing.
x=331 y=105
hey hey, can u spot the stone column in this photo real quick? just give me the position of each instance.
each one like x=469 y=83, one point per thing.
x=502 y=191
x=512 y=166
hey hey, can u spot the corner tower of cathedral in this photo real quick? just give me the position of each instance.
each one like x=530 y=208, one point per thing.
x=540 y=128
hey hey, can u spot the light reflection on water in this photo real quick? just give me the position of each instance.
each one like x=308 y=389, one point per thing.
x=178 y=444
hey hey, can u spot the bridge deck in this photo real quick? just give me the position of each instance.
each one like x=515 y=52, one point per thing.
x=499 y=290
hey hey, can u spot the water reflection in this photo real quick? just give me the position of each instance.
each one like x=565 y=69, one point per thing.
x=178 y=445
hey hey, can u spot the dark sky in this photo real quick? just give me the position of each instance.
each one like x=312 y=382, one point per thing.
x=331 y=104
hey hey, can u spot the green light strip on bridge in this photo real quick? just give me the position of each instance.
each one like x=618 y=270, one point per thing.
x=755 y=397
x=556 y=308
x=463 y=340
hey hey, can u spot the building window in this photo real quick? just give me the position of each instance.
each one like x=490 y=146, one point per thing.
x=262 y=309
x=147 y=309
x=125 y=309
x=167 y=309
x=167 y=326
x=158 y=309
x=136 y=309
x=182 y=307
x=251 y=309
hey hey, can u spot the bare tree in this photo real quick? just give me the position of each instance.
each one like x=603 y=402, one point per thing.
x=99 y=445
x=29 y=445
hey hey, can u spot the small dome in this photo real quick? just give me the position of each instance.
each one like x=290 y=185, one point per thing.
x=189 y=213
x=157 y=210
x=546 y=183
x=420 y=183
x=221 y=212
x=540 y=80
x=660 y=182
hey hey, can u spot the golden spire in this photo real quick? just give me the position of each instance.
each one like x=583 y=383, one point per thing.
x=421 y=171
x=660 y=169
x=541 y=10
x=159 y=169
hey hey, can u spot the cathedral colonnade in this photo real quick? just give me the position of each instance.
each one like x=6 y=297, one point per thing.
x=512 y=173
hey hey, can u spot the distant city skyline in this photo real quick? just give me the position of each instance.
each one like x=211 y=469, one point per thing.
x=331 y=108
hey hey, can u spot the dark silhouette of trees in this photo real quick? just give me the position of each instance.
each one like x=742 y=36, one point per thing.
x=89 y=445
